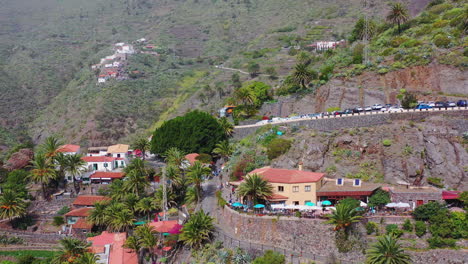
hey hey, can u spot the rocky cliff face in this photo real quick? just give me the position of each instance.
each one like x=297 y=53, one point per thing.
x=432 y=82
x=415 y=152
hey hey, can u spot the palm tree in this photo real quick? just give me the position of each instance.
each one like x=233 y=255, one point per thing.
x=143 y=145
x=131 y=201
x=97 y=215
x=11 y=205
x=195 y=174
x=244 y=96
x=75 y=166
x=227 y=126
x=88 y=258
x=133 y=244
x=174 y=174
x=121 y=221
x=147 y=239
x=146 y=206
x=137 y=165
x=170 y=195
x=224 y=149
x=303 y=75
x=117 y=190
x=344 y=215
x=398 y=14
x=71 y=250
x=135 y=182
x=254 y=189
x=42 y=172
x=61 y=162
x=387 y=250
x=192 y=196
x=197 y=229
x=174 y=156
x=50 y=147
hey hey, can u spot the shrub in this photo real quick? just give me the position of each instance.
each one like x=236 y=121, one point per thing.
x=411 y=43
x=371 y=227
x=379 y=198
x=63 y=210
x=58 y=221
x=397 y=41
x=298 y=214
x=425 y=211
x=278 y=147
x=387 y=52
x=453 y=13
x=438 y=9
x=438 y=182
x=420 y=228
x=333 y=109
x=270 y=257
x=10 y=240
x=438 y=242
x=442 y=41
x=407 y=226
x=434 y=3
x=390 y=228
x=387 y=142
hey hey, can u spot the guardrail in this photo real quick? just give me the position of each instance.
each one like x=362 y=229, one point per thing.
x=445 y=109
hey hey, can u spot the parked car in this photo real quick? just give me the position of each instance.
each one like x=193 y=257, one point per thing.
x=431 y=103
x=462 y=103
x=423 y=106
x=348 y=111
x=377 y=107
x=439 y=104
x=451 y=104
x=367 y=108
x=395 y=109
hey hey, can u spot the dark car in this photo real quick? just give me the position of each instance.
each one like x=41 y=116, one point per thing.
x=462 y=103
x=439 y=104
x=348 y=111
x=423 y=106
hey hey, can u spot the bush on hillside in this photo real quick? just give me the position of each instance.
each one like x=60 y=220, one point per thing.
x=58 y=221
x=270 y=257
x=420 y=228
x=440 y=23
x=371 y=227
x=387 y=142
x=194 y=132
x=278 y=147
x=438 y=9
x=425 y=211
x=397 y=41
x=442 y=41
x=407 y=226
x=379 y=198
x=438 y=242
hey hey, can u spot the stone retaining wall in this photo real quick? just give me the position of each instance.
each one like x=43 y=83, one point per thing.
x=361 y=120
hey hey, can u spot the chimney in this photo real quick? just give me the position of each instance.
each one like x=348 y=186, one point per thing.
x=300 y=165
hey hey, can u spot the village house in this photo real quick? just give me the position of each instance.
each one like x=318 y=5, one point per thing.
x=76 y=221
x=337 y=189
x=109 y=247
x=101 y=163
x=326 y=45
x=97 y=151
x=414 y=196
x=88 y=200
x=291 y=187
x=69 y=149
x=101 y=177
x=118 y=151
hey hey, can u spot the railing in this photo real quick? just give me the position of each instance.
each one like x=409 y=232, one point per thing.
x=355 y=114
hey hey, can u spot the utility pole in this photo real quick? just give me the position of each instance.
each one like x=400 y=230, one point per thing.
x=164 y=183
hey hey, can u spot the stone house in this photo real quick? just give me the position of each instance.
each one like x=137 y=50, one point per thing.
x=76 y=221
x=337 y=189
x=415 y=196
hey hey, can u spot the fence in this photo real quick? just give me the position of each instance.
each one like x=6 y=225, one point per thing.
x=293 y=256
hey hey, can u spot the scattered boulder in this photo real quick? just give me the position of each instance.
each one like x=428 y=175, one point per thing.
x=19 y=159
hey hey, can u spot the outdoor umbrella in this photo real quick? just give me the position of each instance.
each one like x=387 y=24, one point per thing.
x=391 y=205
x=402 y=205
x=326 y=202
x=259 y=206
x=310 y=204
x=363 y=204
x=140 y=223
x=237 y=205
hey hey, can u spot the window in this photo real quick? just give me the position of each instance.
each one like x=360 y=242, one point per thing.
x=280 y=188
x=295 y=188
x=296 y=202
x=357 y=182
x=339 y=181
x=307 y=188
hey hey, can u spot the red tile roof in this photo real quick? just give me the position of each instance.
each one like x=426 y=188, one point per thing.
x=98 y=159
x=82 y=224
x=450 y=195
x=80 y=212
x=345 y=193
x=277 y=197
x=287 y=176
x=192 y=157
x=102 y=174
x=69 y=148
x=89 y=200
x=164 y=226
x=118 y=254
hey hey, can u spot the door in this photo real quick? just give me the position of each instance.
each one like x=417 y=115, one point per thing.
x=95 y=167
x=419 y=202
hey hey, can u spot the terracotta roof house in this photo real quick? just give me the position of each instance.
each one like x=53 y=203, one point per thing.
x=164 y=226
x=118 y=151
x=338 y=189
x=103 y=163
x=88 y=200
x=69 y=149
x=102 y=177
x=292 y=187
x=80 y=212
x=76 y=219
x=109 y=247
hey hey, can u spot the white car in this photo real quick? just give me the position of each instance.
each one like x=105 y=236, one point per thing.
x=377 y=107
x=367 y=108
x=395 y=109
x=431 y=104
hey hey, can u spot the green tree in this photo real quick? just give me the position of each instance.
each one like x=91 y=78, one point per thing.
x=235 y=79
x=174 y=156
x=143 y=145
x=118 y=217
x=71 y=250
x=271 y=72
x=146 y=206
x=344 y=216
x=398 y=14
x=408 y=100
x=147 y=239
x=387 y=250
x=42 y=172
x=379 y=198
x=192 y=196
x=11 y=205
x=197 y=229
x=50 y=147
x=135 y=183
x=270 y=257
x=224 y=149
x=420 y=228
x=97 y=215
x=302 y=75
x=464 y=198
x=244 y=96
x=254 y=189
x=117 y=190
x=227 y=126
x=359 y=33
x=195 y=132
x=75 y=166
x=351 y=202
x=88 y=258
x=195 y=174
x=425 y=211
x=278 y=147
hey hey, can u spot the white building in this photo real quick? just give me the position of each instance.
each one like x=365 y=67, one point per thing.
x=118 y=151
x=69 y=149
x=101 y=163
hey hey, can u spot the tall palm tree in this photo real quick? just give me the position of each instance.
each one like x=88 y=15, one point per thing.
x=42 y=172
x=224 y=149
x=303 y=75
x=227 y=126
x=71 y=250
x=398 y=14
x=134 y=245
x=11 y=205
x=195 y=174
x=174 y=156
x=117 y=190
x=175 y=176
x=60 y=160
x=254 y=189
x=146 y=206
x=97 y=215
x=137 y=165
x=192 y=196
x=387 y=251
x=121 y=221
x=147 y=239
x=344 y=215
x=131 y=201
x=88 y=258
x=50 y=147
x=197 y=229
x=135 y=182
x=244 y=96
x=75 y=166
x=143 y=145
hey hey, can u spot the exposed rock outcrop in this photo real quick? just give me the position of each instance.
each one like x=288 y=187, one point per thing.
x=19 y=159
